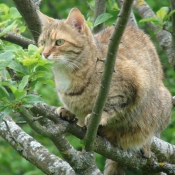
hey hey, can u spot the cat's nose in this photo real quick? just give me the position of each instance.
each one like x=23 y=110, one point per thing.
x=46 y=54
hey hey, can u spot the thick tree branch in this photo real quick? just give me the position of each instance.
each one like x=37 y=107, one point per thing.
x=163 y=151
x=33 y=151
x=27 y=8
x=100 y=8
x=107 y=74
x=80 y=161
x=17 y=39
x=164 y=37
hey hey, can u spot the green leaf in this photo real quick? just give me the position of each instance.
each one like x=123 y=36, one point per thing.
x=39 y=50
x=32 y=49
x=169 y=15
x=5 y=113
x=113 y=5
x=8 y=29
x=162 y=13
x=20 y=94
x=23 y=83
x=5 y=59
x=152 y=19
x=22 y=29
x=17 y=66
x=3 y=92
x=3 y=107
x=4 y=9
x=102 y=18
x=31 y=99
x=14 y=13
x=11 y=84
x=89 y=23
x=29 y=62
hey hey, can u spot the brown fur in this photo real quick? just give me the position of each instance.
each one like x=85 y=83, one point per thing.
x=138 y=104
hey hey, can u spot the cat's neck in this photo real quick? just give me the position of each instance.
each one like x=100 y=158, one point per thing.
x=73 y=82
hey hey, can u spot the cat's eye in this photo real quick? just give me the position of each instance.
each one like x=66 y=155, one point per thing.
x=60 y=42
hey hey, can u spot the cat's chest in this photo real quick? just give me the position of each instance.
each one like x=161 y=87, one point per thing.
x=62 y=80
x=81 y=103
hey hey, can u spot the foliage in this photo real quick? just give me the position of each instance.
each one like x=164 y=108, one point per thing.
x=10 y=20
x=162 y=17
x=28 y=68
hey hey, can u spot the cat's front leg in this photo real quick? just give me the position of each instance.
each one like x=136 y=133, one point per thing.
x=65 y=114
x=104 y=119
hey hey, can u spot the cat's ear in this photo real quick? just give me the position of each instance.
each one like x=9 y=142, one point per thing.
x=76 y=19
x=44 y=18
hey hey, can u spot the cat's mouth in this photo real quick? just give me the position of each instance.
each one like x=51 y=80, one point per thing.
x=50 y=58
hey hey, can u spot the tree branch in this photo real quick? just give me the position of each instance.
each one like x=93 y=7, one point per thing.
x=107 y=74
x=132 y=20
x=164 y=37
x=17 y=39
x=100 y=8
x=163 y=151
x=27 y=8
x=80 y=161
x=33 y=151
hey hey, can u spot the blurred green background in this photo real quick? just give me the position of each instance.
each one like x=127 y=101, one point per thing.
x=10 y=162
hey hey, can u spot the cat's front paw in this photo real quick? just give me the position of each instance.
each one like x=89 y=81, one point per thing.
x=65 y=114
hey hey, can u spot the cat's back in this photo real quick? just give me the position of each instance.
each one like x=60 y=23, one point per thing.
x=135 y=47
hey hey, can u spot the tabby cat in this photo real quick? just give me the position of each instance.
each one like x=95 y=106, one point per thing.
x=138 y=105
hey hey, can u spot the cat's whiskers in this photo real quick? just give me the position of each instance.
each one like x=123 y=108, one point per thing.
x=72 y=61
x=65 y=62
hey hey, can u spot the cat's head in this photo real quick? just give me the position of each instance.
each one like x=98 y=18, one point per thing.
x=65 y=41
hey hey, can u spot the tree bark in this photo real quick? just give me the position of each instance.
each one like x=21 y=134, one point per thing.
x=17 y=39
x=27 y=9
x=32 y=150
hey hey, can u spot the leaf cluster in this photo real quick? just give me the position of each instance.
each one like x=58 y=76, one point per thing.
x=22 y=70
x=10 y=20
x=162 y=17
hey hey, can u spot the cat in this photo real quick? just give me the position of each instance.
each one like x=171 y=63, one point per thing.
x=138 y=104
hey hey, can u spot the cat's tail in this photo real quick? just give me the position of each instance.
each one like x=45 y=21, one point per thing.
x=114 y=168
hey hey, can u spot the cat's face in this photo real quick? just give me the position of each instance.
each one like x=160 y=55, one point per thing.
x=64 y=41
